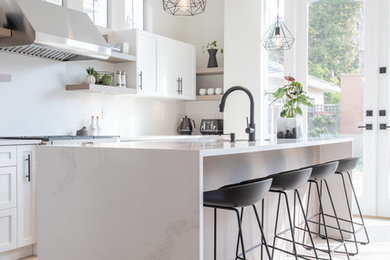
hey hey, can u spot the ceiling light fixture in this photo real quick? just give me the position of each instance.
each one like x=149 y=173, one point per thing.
x=278 y=37
x=184 y=7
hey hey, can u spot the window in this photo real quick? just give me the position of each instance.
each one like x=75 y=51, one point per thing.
x=97 y=11
x=134 y=18
x=57 y=2
x=274 y=69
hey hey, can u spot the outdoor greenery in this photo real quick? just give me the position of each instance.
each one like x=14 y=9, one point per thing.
x=322 y=124
x=334 y=39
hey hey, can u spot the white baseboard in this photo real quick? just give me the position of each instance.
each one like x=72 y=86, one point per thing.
x=17 y=253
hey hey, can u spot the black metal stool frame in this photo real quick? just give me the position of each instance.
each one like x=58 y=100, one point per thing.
x=291 y=229
x=321 y=216
x=240 y=235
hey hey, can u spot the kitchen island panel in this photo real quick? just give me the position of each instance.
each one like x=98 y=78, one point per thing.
x=116 y=203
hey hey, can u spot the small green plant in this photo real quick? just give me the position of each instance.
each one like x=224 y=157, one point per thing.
x=292 y=96
x=211 y=45
x=90 y=70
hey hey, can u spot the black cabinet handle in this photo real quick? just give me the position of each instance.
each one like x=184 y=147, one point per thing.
x=140 y=80
x=28 y=176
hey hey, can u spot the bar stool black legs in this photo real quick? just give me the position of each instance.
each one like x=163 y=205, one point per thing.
x=322 y=221
x=353 y=223
x=291 y=181
x=235 y=196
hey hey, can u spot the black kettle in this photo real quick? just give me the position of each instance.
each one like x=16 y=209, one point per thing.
x=185 y=127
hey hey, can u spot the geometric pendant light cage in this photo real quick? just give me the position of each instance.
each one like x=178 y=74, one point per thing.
x=184 y=7
x=278 y=37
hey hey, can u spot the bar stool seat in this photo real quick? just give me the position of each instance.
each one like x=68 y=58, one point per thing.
x=290 y=180
x=323 y=171
x=239 y=195
x=347 y=165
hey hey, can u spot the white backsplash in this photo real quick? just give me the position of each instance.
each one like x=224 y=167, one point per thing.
x=36 y=103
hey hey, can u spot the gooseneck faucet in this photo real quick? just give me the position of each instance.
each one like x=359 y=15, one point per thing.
x=251 y=128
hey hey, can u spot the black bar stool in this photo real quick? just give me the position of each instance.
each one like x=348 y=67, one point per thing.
x=345 y=167
x=319 y=176
x=291 y=181
x=235 y=196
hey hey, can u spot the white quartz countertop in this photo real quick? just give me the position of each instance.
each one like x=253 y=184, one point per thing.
x=5 y=142
x=210 y=146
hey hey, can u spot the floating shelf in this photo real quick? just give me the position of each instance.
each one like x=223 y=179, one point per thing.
x=118 y=57
x=5 y=77
x=101 y=89
x=209 y=98
x=210 y=71
x=5 y=33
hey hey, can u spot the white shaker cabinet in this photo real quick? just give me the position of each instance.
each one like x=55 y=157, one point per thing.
x=26 y=196
x=7 y=229
x=17 y=197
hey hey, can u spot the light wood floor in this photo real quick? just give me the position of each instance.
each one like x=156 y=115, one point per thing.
x=378 y=249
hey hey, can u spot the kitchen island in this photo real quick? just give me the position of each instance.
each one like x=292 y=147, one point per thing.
x=143 y=199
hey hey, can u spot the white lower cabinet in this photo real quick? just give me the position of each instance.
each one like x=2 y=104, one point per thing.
x=18 y=216
x=7 y=187
x=8 y=229
x=27 y=201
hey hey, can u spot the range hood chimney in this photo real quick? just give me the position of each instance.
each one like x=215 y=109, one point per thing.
x=46 y=30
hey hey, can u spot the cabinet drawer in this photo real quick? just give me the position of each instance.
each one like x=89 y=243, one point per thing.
x=7 y=156
x=7 y=187
x=7 y=229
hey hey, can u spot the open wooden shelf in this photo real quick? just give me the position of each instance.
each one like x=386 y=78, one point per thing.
x=210 y=71
x=5 y=77
x=118 y=57
x=5 y=33
x=101 y=89
x=209 y=98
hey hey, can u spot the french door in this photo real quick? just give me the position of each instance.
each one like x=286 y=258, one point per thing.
x=376 y=167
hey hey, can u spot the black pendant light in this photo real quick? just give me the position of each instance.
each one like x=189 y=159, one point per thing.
x=278 y=37
x=184 y=7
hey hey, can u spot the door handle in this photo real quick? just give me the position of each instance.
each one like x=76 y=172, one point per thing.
x=367 y=126
x=383 y=126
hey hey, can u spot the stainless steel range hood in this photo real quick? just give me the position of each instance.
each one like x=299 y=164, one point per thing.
x=49 y=31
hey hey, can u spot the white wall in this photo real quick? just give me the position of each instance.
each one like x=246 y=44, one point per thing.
x=197 y=30
x=36 y=103
x=243 y=48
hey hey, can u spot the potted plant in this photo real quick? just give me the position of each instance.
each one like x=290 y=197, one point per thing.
x=212 y=50
x=90 y=79
x=292 y=97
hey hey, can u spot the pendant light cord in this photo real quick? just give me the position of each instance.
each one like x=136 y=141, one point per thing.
x=277 y=17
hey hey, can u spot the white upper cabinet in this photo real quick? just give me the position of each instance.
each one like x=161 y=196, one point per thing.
x=187 y=70
x=164 y=67
x=146 y=64
x=167 y=72
x=176 y=69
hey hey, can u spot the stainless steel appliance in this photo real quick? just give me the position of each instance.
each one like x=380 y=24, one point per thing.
x=186 y=126
x=211 y=127
x=67 y=139
x=67 y=35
